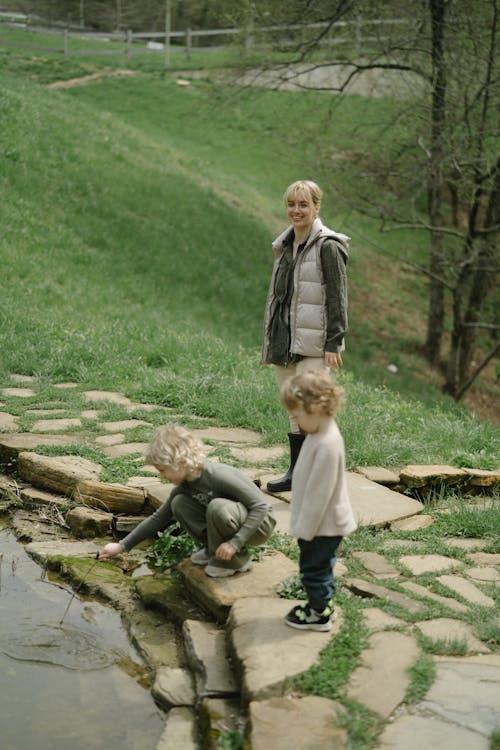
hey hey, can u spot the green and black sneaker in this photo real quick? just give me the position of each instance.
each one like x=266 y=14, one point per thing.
x=304 y=617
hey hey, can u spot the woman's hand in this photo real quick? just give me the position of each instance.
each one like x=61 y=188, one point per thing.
x=333 y=359
x=225 y=551
x=110 y=550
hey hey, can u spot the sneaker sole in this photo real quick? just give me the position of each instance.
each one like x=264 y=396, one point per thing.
x=319 y=627
x=228 y=572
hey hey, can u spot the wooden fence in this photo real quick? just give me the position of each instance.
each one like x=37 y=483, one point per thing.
x=160 y=42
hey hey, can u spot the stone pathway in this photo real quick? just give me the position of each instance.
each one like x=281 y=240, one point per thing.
x=220 y=651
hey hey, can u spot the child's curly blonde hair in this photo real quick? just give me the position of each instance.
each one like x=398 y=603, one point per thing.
x=312 y=388
x=175 y=447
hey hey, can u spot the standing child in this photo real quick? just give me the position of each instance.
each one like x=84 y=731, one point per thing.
x=321 y=513
x=216 y=504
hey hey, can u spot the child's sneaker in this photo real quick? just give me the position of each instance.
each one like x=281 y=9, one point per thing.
x=304 y=617
x=219 y=571
x=201 y=557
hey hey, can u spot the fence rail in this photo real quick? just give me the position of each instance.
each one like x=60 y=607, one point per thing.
x=132 y=39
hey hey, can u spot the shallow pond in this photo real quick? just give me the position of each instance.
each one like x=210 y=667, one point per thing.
x=72 y=685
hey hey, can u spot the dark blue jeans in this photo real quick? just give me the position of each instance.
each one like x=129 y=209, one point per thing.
x=316 y=562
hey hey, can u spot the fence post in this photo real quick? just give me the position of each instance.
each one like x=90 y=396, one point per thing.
x=66 y=42
x=168 y=25
x=189 y=43
x=129 y=45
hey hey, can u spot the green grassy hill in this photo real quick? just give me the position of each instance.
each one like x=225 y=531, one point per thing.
x=136 y=221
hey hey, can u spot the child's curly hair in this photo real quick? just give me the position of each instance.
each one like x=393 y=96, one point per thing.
x=310 y=388
x=175 y=447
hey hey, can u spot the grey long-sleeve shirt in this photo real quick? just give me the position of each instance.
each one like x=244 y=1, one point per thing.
x=216 y=480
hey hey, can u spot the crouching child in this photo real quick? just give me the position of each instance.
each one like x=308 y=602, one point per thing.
x=321 y=513
x=216 y=504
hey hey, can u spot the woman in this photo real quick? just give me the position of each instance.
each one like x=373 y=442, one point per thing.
x=306 y=310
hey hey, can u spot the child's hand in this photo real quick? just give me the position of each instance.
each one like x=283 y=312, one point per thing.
x=110 y=550
x=225 y=551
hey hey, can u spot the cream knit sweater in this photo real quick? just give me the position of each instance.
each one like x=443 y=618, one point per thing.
x=320 y=503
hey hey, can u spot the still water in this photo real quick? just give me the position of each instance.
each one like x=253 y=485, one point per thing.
x=69 y=687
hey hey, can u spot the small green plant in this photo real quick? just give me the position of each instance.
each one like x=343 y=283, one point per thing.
x=422 y=675
x=230 y=741
x=171 y=548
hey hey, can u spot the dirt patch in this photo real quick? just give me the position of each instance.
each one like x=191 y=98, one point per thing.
x=91 y=78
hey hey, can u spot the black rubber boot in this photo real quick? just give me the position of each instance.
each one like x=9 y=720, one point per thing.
x=285 y=483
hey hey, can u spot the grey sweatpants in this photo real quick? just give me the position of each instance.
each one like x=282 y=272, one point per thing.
x=218 y=522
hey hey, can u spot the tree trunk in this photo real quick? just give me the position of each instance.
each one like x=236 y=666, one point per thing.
x=435 y=318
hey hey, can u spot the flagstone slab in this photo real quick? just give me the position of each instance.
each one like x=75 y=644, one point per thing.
x=376 y=619
x=111 y=396
x=484 y=575
x=367 y=589
x=421 y=476
x=108 y=440
x=218 y=595
x=257 y=455
x=8 y=421
x=483 y=477
x=385 y=662
x=45 y=412
x=125 y=449
x=377 y=565
x=124 y=424
x=466 y=543
x=173 y=686
x=484 y=558
x=419 y=564
x=266 y=651
x=180 y=731
x=18 y=392
x=413 y=523
x=31 y=496
x=299 y=723
x=376 y=505
x=227 y=434
x=19 y=378
x=56 y=425
x=422 y=591
x=281 y=512
x=467 y=590
x=446 y=629
x=13 y=444
x=66 y=385
x=418 y=732
x=205 y=646
x=378 y=474
x=90 y=414
x=466 y=692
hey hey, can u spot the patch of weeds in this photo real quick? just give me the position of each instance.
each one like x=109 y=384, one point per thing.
x=488 y=631
x=173 y=546
x=422 y=675
x=362 y=726
x=291 y=588
x=340 y=656
x=495 y=740
x=283 y=543
x=230 y=741
x=444 y=646
x=468 y=520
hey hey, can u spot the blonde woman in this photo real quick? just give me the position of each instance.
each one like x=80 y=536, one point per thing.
x=216 y=504
x=306 y=311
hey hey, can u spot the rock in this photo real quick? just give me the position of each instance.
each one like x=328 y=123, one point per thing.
x=378 y=474
x=377 y=565
x=467 y=590
x=8 y=422
x=483 y=478
x=388 y=653
x=31 y=496
x=205 y=646
x=365 y=588
x=217 y=595
x=375 y=505
x=167 y=595
x=266 y=651
x=87 y=523
x=424 y=476
x=298 y=723
x=58 y=473
x=484 y=575
x=417 y=732
x=413 y=523
x=113 y=498
x=180 y=730
x=218 y=716
x=445 y=629
x=12 y=445
x=124 y=424
x=56 y=425
x=377 y=619
x=419 y=564
x=173 y=687
x=424 y=592
x=111 y=396
x=125 y=449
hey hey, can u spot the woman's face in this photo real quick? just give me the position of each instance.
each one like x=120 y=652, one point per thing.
x=301 y=210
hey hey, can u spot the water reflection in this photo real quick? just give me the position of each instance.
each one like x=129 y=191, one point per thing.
x=51 y=707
